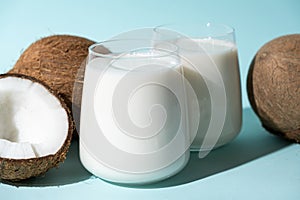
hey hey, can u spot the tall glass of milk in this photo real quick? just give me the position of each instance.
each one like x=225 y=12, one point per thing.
x=210 y=62
x=134 y=117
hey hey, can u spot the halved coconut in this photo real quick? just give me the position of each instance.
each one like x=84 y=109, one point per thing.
x=35 y=127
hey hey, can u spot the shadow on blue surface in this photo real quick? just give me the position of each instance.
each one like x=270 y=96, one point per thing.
x=253 y=142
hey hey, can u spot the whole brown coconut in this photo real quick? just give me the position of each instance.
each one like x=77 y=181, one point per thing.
x=273 y=86
x=57 y=61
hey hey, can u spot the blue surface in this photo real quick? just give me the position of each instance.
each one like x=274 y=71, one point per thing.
x=255 y=166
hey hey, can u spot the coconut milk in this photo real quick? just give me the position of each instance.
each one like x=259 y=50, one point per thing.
x=139 y=116
x=221 y=56
x=133 y=124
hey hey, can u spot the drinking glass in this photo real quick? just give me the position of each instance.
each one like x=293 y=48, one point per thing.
x=134 y=126
x=210 y=63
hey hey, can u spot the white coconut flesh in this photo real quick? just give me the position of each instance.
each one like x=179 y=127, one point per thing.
x=33 y=123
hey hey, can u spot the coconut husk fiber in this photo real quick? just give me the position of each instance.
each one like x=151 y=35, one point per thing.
x=55 y=60
x=273 y=86
x=59 y=62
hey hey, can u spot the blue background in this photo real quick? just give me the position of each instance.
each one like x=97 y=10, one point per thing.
x=256 y=22
x=267 y=167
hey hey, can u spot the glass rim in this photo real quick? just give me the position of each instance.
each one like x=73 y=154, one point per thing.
x=227 y=28
x=121 y=54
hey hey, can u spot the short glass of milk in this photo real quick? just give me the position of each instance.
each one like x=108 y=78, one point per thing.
x=210 y=63
x=134 y=125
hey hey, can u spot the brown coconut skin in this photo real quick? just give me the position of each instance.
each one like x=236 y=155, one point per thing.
x=273 y=86
x=56 y=60
x=20 y=169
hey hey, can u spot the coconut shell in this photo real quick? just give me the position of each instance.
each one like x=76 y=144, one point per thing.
x=19 y=169
x=273 y=86
x=55 y=60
